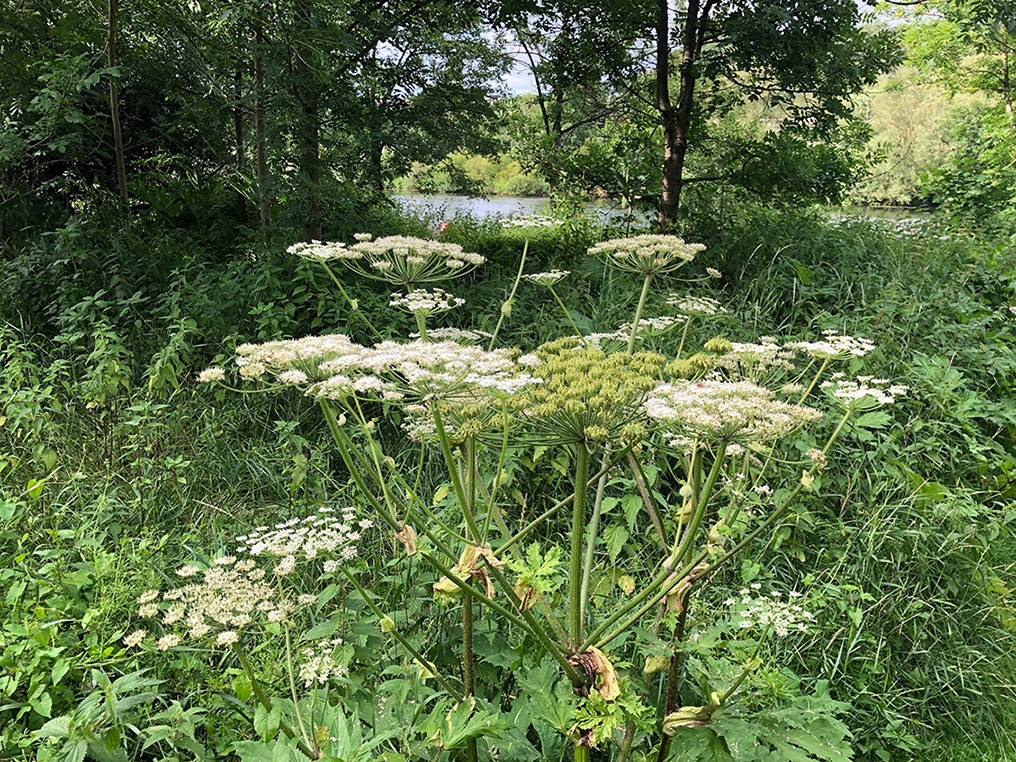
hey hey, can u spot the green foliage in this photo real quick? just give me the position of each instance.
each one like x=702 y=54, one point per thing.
x=806 y=730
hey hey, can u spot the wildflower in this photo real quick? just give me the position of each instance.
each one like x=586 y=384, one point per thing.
x=319 y=663
x=318 y=535
x=168 y=641
x=292 y=377
x=405 y=261
x=585 y=393
x=864 y=393
x=226 y=638
x=726 y=410
x=695 y=305
x=647 y=254
x=770 y=612
x=135 y=639
x=319 y=251
x=548 y=278
x=423 y=302
x=211 y=375
x=362 y=237
x=834 y=346
x=458 y=335
x=712 y=272
x=529 y=221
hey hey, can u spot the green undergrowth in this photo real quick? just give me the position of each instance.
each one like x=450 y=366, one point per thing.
x=115 y=465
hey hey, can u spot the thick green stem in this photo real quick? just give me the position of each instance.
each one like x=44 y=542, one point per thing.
x=638 y=313
x=684 y=335
x=467 y=663
x=582 y=753
x=594 y=528
x=421 y=325
x=506 y=307
x=525 y=531
x=652 y=590
x=453 y=471
x=578 y=530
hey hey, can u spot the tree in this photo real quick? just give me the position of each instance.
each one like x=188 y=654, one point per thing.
x=802 y=57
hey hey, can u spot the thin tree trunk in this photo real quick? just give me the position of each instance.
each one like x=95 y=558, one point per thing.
x=260 y=157
x=114 y=103
x=238 y=134
x=238 y=126
x=676 y=121
x=307 y=93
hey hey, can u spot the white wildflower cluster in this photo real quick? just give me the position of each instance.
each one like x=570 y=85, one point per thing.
x=605 y=340
x=696 y=305
x=333 y=367
x=529 y=221
x=753 y=360
x=406 y=261
x=770 y=612
x=424 y=369
x=327 y=533
x=319 y=664
x=425 y=302
x=458 y=335
x=834 y=346
x=302 y=355
x=548 y=278
x=211 y=375
x=235 y=592
x=223 y=599
x=320 y=251
x=647 y=254
x=654 y=326
x=863 y=393
x=726 y=410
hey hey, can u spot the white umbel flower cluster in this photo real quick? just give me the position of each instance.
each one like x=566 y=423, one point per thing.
x=425 y=302
x=834 y=346
x=529 y=221
x=695 y=305
x=770 y=612
x=235 y=592
x=323 y=534
x=864 y=393
x=548 y=278
x=319 y=251
x=405 y=260
x=226 y=597
x=319 y=664
x=726 y=410
x=426 y=369
x=647 y=254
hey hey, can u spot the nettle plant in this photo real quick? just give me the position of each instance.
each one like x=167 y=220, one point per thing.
x=495 y=480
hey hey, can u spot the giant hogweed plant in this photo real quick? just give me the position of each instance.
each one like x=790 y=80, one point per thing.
x=596 y=648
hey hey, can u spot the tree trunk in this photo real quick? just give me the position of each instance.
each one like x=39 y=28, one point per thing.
x=241 y=148
x=238 y=135
x=260 y=156
x=307 y=93
x=676 y=121
x=114 y=104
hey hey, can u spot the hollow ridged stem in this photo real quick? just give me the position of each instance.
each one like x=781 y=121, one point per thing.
x=594 y=528
x=578 y=530
x=638 y=312
x=506 y=306
x=652 y=589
